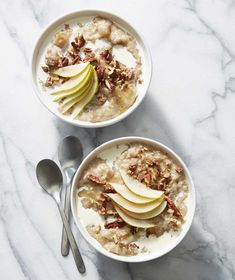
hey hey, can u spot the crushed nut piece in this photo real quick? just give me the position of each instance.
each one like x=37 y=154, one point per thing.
x=117 y=223
x=172 y=205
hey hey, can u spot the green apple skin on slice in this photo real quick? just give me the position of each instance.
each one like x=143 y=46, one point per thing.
x=80 y=86
x=80 y=105
x=138 y=188
x=65 y=106
x=132 y=221
x=133 y=207
x=68 y=99
x=71 y=70
x=129 y=195
x=148 y=215
x=72 y=84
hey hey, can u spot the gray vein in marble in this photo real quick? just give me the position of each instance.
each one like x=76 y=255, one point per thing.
x=192 y=7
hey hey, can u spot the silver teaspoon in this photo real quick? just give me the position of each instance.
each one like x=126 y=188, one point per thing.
x=70 y=155
x=50 y=178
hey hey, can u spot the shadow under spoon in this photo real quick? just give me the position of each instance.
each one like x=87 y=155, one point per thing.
x=70 y=154
x=50 y=178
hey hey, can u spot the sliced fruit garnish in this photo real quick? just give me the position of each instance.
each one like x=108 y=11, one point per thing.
x=69 y=98
x=71 y=70
x=138 y=188
x=148 y=215
x=133 y=207
x=129 y=195
x=132 y=221
x=81 y=104
x=70 y=101
x=75 y=83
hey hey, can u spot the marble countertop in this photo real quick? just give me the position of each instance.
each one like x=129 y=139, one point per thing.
x=190 y=107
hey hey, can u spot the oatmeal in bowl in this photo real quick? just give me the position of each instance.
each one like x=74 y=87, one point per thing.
x=133 y=199
x=91 y=68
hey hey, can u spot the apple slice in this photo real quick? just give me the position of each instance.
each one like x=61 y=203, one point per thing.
x=148 y=215
x=75 y=95
x=73 y=99
x=80 y=105
x=76 y=90
x=132 y=221
x=138 y=188
x=133 y=207
x=71 y=70
x=72 y=84
x=129 y=195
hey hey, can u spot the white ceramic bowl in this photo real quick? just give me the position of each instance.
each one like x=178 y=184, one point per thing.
x=48 y=33
x=191 y=201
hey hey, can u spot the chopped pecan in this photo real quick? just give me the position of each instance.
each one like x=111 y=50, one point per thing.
x=75 y=46
x=87 y=50
x=65 y=61
x=45 y=69
x=113 y=74
x=141 y=176
x=100 y=72
x=90 y=57
x=80 y=41
x=72 y=53
x=95 y=179
x=117 y=223
x=76 y=59
x=107 y=55
x=107 y=187
x=172 y=205
x=109 y=84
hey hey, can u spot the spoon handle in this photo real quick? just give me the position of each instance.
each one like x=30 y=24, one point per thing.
x=73 y=245
x=65 y=241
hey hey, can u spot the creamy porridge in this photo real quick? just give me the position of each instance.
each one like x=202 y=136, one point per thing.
x=91 y=69
x=132 y=199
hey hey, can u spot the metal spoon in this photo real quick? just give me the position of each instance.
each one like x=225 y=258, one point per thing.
x=50 y=178
x=70 y=155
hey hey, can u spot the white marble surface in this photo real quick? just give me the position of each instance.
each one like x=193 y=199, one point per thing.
x=190 y=107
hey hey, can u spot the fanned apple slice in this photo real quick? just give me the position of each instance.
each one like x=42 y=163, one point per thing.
x=75 y=95
x=133 y=207
x=74 y=84
x=74 y=99
x=138 y=188
x=129 y=195
x=71 y=70
x=148 y=215
x=132 y=221
x=81 y=104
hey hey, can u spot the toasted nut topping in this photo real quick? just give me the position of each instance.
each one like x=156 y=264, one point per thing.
x=172 y=206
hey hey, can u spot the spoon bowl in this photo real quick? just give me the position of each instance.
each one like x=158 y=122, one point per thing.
x=49 y=176
x=70 y=153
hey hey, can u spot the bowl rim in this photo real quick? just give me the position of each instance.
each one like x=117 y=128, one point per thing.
x=140 y=257
x=73 y=14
